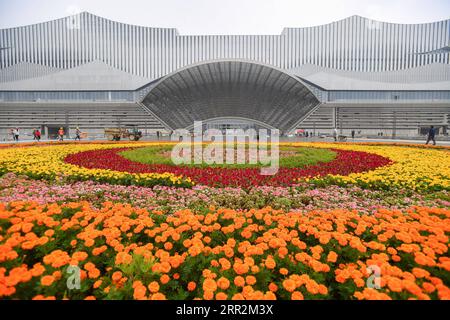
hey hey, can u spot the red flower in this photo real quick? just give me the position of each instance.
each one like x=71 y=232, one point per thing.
x=346 y=162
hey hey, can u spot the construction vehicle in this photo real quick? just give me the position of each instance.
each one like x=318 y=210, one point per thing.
x=130 y=132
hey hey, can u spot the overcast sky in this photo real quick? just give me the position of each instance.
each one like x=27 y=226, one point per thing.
x=225 y=16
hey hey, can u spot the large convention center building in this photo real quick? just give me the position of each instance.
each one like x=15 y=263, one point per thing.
x=354 y=74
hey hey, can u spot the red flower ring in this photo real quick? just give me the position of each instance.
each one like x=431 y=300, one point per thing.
x=346 y=162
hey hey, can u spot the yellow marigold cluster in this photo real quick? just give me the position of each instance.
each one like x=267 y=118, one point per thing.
x=47 y=162
x=414 y=167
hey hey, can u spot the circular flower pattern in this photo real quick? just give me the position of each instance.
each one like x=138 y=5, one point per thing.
x=346 y=162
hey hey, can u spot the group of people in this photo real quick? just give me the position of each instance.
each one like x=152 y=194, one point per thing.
x=15 y=134
x=303 y=133
x=61 y=134
x=336 y=134
x=430 y=137
x=37 y=134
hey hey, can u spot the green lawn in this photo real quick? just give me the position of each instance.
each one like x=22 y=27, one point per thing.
x=289 y=157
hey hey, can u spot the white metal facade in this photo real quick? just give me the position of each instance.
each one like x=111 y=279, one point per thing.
x=355 y=43
x=371 y=71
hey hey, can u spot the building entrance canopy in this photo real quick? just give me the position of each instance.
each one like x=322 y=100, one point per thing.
x=231 y=89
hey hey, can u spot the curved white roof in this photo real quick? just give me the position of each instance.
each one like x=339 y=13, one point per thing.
x=93 y=76
x=435 y=76
x=99 y=76
x=25 y=70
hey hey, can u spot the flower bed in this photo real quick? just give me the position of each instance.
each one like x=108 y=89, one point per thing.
x=47 y=162
x=415 y=168
x=311 y=232
x=131 y=253
x=171 y=199
x=346 y=162
x=368 y=166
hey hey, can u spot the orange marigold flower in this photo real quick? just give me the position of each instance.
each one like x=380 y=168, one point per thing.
x=158 y=296
x=38 y=269
x=250 y=280
x=394 y=284
x=94 y=273
x=270 y=263
x=139 y=292
x=97 y=284
x=221 y=296
x=238 y=296
x=123 y=258
x=99 y=251
x=47 y=280
x=191 y=286
x=165 y=267
x=215 y=263
x=164 y=279
x=49 y=233
x=239 y=281
x=26 y=227
x=332 y=257
x=297 y=295
x=208 y=295
x=420 y=273
x=428 y=287
x=89 y=242
x=206 y=239
x=116 y=276
x=209 y=285
x=240 y=268
x=223 y=283
x=89 y=266
x=254 y=269
x=270 y=296
x=273 y=287
x=153 y=287
x=57 y=274
x=323 y=290
x=225 y=263
x=282 y=251
x=289 y=285
x=80 y=256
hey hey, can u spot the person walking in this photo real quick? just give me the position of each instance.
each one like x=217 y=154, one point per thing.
x=77 y=134
x=16 y=134
x=37 y=135
x=335 y=134
x=353 y=134
x=61 y=134
x=432 y=135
